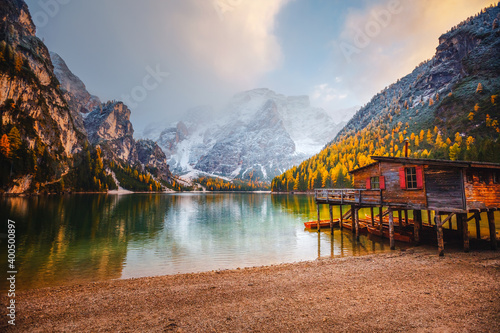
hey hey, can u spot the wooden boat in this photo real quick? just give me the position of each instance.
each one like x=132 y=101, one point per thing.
x=386 y=220
x=322 y=224
x=349 y=225
x=407 y=238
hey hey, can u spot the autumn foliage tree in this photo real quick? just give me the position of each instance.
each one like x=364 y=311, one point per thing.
x=5 y=146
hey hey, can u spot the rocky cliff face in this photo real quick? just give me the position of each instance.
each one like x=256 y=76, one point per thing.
x=466 y=56
x=79 y=100
x=261 y=134
x=109 y=126
x=45 y=115
x=30 y=96
x=153 y=158
x=75 y=92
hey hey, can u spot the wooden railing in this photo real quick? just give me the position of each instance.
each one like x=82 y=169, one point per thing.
x=348 y=196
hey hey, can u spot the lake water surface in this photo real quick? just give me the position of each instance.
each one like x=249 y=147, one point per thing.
x=89 y=237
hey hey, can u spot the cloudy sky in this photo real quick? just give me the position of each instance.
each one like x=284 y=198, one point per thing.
x=164 y=56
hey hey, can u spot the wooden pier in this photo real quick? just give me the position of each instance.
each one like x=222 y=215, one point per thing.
x=447 y=190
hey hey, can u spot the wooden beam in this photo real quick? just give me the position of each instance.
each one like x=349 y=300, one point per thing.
x=440 y=240
x=319 y=245
x=356 y=222
x=462 y=220
x=331 y=245
x=446 y=219
x=330 y=208
x=353 y=218
x=406 y=216
x=429 y=217
x=400 y=218
x=391 y=230
x=417 y=217
x=373 y=217
x=318 y=217
x=341 y=221
x=381 y=217
x=493 y=234
x=470 y=218
x=460 y=225
x=477 y=216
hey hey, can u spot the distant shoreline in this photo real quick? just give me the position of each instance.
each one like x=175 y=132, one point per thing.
x=127 y=192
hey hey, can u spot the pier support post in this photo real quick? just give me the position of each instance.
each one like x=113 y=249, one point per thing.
x=332 y=252
x=493 y=234
x=381 y=217
x=429 y=217
x=319 y=245
x=477 y=216
x=440 y=240
x=341 y=221
x=400 y=219
x=417 y=225
x=391 y=230
x=356 y=222
x=372 y=216
x=318 y=217
x=460 y=225
x=406 y=217
x=353 y=219
x=462 y=220
x=330 y=208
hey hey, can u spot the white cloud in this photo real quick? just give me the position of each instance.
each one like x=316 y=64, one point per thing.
x=326 y=96
x=385 y=41
x=233 y=39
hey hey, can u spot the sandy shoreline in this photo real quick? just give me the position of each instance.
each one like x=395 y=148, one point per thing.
x=412 y=290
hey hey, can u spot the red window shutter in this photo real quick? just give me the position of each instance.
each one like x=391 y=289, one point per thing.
x=382 y=182
x=368 y=184
x=402 y=178
x=420 y=182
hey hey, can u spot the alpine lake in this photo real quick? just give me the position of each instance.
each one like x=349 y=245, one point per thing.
x=82 y=238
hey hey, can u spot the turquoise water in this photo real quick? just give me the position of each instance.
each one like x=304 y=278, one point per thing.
x=81 y=238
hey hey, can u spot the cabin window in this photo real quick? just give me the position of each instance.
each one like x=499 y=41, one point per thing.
x=411 y=178
x=375 y=183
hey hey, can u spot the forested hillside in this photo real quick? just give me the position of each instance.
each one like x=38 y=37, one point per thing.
x=447 y=108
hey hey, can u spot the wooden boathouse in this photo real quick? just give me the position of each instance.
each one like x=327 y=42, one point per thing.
x=445 y=189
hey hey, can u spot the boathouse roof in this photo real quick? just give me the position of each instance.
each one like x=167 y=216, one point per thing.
x=424 y=161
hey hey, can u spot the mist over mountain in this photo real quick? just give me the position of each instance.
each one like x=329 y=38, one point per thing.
x=261 y=134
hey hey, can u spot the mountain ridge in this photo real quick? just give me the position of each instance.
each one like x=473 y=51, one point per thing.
x=260 y=134
x=44 y=138
x=447 y=107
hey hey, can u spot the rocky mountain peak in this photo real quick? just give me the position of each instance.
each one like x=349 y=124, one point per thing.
x=109 y=121
x=17 y=15
x=74 y=89
x=259 y=134
x=468 y=53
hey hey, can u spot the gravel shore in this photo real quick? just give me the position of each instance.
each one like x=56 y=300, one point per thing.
x=412 y=291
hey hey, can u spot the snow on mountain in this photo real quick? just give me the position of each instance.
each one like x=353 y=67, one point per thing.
x=260 y=134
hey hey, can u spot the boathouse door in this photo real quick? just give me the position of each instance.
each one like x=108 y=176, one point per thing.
x=444 y=188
